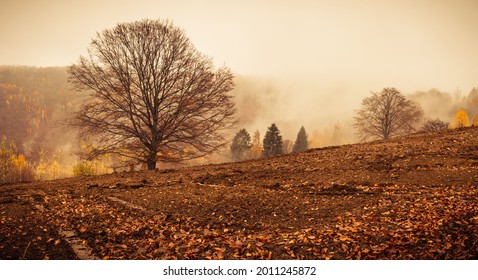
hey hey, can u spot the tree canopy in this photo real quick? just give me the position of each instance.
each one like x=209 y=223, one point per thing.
x=154 y=97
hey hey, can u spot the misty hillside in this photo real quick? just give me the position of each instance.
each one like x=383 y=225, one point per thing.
x=36 y=102
x=413 y=197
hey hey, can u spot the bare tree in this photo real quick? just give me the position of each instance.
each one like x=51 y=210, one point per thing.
x=154 y=97
x=386 y=114
x=434 y=125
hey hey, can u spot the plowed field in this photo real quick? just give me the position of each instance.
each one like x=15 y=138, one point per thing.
x=413 y=197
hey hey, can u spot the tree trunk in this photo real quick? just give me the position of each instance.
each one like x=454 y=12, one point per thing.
x=151 y=162
x=151 y=165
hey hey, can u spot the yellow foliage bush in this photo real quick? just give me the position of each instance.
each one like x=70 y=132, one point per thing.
x=461 y=119
x=83 y=168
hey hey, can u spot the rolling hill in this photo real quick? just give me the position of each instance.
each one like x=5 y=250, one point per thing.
x=413 y=197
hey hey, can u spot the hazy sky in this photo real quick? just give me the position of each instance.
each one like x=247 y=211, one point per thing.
x=340 y=48
x=420 y=43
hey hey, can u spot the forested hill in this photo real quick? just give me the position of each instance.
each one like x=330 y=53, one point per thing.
x=33 y=104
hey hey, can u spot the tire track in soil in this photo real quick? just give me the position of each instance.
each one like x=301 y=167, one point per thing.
x=82 y=250
x=25 y=232
x=125 y=203
x=79 y=245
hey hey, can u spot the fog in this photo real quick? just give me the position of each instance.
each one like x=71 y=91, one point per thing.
x=323 y=53
x=262 y=101
x=296 y=62
x=413 y=45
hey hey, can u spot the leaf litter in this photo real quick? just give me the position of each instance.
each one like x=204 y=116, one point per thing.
x=410 y=197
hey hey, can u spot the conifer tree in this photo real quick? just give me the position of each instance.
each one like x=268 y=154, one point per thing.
x=301 y=143
x=272 y=142
x=241 y=145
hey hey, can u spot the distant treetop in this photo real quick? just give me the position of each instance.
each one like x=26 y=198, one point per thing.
x=301 y=143
x=272 y=142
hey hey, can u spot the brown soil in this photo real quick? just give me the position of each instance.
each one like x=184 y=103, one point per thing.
x=413 y=197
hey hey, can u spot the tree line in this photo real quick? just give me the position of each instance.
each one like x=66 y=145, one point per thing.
x=382 y=115
x=244 y=147
x=389 y=113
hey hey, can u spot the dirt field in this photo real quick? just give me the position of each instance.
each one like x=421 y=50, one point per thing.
x=412 y=197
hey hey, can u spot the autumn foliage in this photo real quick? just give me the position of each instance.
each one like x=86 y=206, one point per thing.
x=461 y=119
x=257 y=148
x=83 y=168
x=13 y=166
x=401 y=199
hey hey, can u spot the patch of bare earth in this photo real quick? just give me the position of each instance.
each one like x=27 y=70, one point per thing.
x=412 y=197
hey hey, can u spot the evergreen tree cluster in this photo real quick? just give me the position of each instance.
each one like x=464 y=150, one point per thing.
x=272 y=145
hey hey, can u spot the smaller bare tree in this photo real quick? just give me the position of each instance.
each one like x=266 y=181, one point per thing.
x=434 y=125
x=387 y=114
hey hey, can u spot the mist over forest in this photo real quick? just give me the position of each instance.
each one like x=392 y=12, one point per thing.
x=328 y=113
x=35 y=102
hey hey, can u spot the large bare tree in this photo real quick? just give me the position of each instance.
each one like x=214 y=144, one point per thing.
x=154 y=97
x=387 y=114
